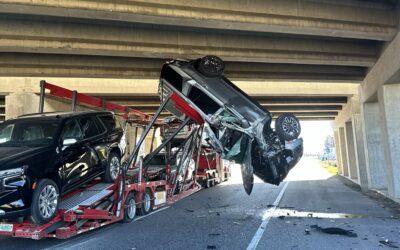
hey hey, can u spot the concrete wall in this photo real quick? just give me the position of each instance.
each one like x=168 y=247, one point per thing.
x=373 y=144
x=389 y=101
x=21 y=103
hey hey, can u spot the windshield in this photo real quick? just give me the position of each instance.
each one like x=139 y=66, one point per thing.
x=28 y=132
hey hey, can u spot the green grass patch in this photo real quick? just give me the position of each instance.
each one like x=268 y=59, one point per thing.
x=330 y=166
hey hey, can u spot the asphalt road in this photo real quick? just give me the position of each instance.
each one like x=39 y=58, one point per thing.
x=225 y=217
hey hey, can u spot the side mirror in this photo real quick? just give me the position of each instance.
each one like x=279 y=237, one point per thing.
x=69 y=142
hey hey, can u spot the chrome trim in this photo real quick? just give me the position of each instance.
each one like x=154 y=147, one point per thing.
x=11 y=177
x=13 y=172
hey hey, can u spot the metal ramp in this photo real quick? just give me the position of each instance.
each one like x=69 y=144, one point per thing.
x=87 y=197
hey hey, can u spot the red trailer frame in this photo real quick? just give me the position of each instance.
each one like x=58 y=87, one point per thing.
x=83 y=218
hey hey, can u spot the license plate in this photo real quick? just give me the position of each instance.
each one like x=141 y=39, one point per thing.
x=6 y=227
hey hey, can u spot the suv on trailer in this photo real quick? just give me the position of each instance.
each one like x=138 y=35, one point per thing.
x=43 y=156
x=239 y=128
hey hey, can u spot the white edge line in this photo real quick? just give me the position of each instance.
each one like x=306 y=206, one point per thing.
x=269 y=212
x=156 y=211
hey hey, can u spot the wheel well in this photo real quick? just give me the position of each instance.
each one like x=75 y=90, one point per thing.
x=50 y=176
x=152 y=196
x=116 y=150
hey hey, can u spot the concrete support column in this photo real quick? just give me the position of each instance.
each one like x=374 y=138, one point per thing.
x=373 y=144
x=337 y=151
x=21 y=103
x=389 y=103
x=343 y=153
x=350 y=151
x=359 y=150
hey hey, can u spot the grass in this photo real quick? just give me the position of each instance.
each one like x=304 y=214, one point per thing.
x=330 y=166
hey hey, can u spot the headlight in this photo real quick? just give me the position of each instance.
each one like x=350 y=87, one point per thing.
x=13 y=171
x=14 y=177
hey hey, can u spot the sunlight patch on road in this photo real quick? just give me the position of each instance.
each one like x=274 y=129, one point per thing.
x=308 y=169
x=236 y=177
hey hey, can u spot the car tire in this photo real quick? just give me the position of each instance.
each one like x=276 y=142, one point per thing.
x=45 y=201
x=211 y=66
x=130 y=208
x=113 y=168
x=287 y=127
x=146 y=204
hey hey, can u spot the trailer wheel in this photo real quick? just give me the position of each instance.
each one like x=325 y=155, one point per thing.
x=45 y=201
x=146 y=206
x=130 y=208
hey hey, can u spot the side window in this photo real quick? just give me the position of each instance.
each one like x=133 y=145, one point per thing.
x=108 y=121
x=6 y=133
x=89 y=127
x=99 y=125
x=72 y=130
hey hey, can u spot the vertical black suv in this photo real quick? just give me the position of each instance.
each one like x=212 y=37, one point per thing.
x=43 y=156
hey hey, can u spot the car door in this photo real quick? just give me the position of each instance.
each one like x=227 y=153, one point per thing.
x=95 y=139
x=75 y=157
x=114 y=130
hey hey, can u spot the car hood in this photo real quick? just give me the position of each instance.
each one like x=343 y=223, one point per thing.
x=16 y=156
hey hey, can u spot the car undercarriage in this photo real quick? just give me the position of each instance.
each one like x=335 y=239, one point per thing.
x=238 y=128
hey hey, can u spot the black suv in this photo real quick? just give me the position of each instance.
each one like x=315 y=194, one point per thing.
x=43 y=156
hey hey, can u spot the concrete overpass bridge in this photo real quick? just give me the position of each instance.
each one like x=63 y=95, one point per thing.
x=325 y=59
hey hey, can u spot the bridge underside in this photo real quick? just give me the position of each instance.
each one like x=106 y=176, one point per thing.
x=331 y=60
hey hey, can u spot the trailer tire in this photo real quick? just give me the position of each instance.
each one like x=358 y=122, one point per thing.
x=130 y=208
x=146 y=204
x=45 y=201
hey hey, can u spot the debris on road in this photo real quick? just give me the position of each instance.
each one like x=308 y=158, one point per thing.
x=281 y=217
x=211 y=247
x=189 y=210
x=335 y=230
x=307 y=231
x=214 y=234
x=388 y=243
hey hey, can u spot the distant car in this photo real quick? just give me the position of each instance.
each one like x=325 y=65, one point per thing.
x=239 y=127
x=43 y=156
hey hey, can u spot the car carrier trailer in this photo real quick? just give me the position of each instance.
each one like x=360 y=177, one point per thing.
x=99 y=204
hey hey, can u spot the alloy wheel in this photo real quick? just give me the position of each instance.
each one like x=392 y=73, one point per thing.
x=114 y=167
x=290 y=126
x=131 y=208
x=147 y=202
x=48 y=201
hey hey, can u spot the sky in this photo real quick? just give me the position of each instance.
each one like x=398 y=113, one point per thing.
x=314 y=134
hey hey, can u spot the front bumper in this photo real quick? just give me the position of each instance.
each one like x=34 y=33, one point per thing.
x=274 y=170
x=295 y=151
x=14 y=214
x=13 y=198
